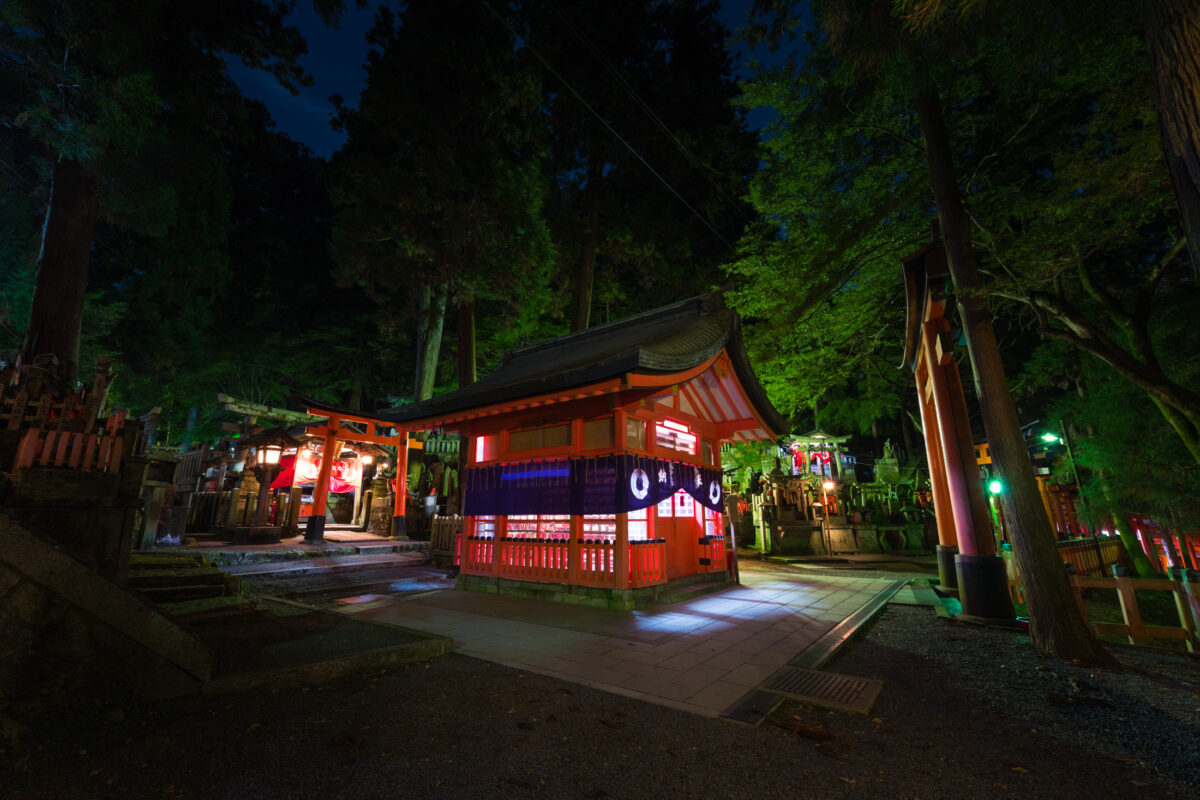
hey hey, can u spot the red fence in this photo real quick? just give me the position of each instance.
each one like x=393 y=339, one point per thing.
x=597 y=564
x=712 y=553
x=477 y=555
x=549 y=561
x=534 y=560
x=647 y=562
x=87 y=451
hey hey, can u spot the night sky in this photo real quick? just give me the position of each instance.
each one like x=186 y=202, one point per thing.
x=336 y=59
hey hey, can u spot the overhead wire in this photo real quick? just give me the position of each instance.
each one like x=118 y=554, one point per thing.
x=633 y=151
x=646 y=108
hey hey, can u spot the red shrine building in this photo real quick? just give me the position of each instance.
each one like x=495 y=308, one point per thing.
x=594 y=466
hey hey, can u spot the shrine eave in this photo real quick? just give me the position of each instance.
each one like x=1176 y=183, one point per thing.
x=657 y=349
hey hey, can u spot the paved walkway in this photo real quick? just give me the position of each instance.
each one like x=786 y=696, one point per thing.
x=701 y=655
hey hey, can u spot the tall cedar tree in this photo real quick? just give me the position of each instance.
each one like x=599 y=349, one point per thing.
x=655 y=76
x=95 y=82
x=438 y=190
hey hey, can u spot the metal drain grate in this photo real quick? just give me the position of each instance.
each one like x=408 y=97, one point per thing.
x=826 y=689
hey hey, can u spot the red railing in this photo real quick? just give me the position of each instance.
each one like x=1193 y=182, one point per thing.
x=477 y=555
x=83 y=451
x=597 y=564
x=647 y=562
x=549 y=561
x=534 y=559
x=712 y=549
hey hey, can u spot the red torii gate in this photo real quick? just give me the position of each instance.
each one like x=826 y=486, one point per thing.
x=966 y=551
x=336 y=430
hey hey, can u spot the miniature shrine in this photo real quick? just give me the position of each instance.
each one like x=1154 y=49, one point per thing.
x=593 y=471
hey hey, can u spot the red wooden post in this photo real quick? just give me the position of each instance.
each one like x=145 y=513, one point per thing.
x=971 y=523
x=399 y=521
x=574 y=550
x=621 y=552
x=315 y=529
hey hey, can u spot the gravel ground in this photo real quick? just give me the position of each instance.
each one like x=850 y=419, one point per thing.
x=965 y=712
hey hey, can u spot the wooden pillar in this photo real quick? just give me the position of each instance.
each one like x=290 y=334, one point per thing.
x=971 y=522
x=937 y=466
x=315 y=530
x=399 y=522
x=621 y=553
x=500 y=534
x=943 y=511
x=574 y=550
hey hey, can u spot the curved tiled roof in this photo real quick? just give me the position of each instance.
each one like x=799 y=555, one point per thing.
x=664 y=341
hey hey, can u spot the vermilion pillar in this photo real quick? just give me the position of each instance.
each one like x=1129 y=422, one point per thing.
x=399 y=522
x=971 y=523
x=315 y=529
x=947 y=546
x=980 y=574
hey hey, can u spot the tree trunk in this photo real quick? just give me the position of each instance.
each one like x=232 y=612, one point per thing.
x=1172 y=29
x=1055 y=623
x=433 y=319
x=585 y=278
x=466 y=341
x=56 y=317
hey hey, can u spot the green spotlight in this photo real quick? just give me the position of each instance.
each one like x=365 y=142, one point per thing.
x=995 y=487
x=1049 y=438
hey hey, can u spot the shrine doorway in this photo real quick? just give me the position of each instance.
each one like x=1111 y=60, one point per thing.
x=679 y=523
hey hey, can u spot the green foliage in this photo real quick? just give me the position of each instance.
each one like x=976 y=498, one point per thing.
x=842 y=199
x=1051 y=115
x=1132 y=463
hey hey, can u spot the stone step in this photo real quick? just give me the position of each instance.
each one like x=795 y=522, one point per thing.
x=205 y=607
x=340 y=564
x=175 y=594
x=149 y=561
x=194 y=576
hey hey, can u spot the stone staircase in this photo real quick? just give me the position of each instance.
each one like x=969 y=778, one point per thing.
x=172 y=579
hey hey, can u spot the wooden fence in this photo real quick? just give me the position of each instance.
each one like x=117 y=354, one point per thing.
x=89 y=452
x=1187 y=607
x=445 y=539
x=1093 y=555
x=29 y=406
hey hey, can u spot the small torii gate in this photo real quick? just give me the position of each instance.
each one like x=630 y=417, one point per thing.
x=966 y=551
x=337 y=428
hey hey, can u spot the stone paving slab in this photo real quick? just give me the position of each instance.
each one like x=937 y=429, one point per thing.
x=701 y=655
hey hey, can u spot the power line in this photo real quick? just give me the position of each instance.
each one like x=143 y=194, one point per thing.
x=606 y=124
x=645 y=107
